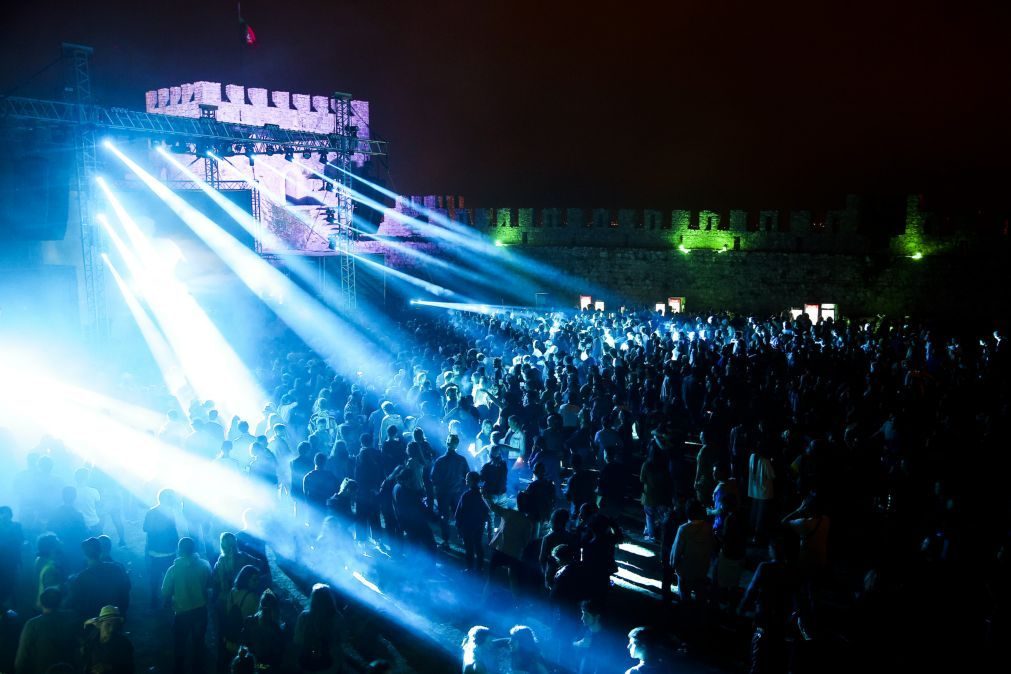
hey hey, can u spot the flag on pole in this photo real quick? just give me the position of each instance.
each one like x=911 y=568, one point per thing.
x=248 y=36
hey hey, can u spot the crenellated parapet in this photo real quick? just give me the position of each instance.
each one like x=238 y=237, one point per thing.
x=257 y=107
x=686 y=229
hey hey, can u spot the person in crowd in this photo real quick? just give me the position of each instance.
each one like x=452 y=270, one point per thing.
x=263 y=634
x=449 y=474
x=318 y=485
x=770 y=593
x=186 y=586
x=582 y=486
x=227 y=566
x=12 y=543
x=319 y=634
x=524 y=652
x=598 y=536
x=241 y=600
x=495 y=475
x=761 y=491
x=393 y=451
x=49 y=568
x=657 y=492
x=341 y=463
x=49 y=639
x=597 y=648
x=87 y=501
x=303 y=463
x=812 y=528
x=471 y=516
x=162 y=541
x=10 y=634
x=107 y=649
x=731 y=538
x=68 y=525
x=692 y=554
x=645 y=644
x=541 y=497
x=263 y=465
x=369 y=476
x=558 y=535
x=412 y=514
x=705 y=461
x=510 y=539
x=480 y=652
x=100 y=584
x=611 y=484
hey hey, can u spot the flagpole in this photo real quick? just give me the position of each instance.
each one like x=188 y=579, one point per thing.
x=242 y=45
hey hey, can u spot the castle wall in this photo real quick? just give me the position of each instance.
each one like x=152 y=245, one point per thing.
x=773 y=259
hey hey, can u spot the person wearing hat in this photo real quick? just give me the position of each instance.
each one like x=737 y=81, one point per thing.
x=48 y=639
x=107 y=650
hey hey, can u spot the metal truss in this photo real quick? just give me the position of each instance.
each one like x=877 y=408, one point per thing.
x=204 y=131
x=95 y=320
x=345 y=129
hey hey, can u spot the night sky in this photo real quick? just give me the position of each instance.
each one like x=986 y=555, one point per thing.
x=592 y=104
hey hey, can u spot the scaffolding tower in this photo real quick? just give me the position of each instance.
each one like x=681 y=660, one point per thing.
x=95 y=320
x=345 y=129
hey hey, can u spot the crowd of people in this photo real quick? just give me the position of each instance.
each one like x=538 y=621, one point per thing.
x=800 y=483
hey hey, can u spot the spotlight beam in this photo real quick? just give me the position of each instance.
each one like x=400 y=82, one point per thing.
x=209 y=362
x=296 y=265
x=168 y=365
x=432 y=231
x=383 y=336
x=466 y=237
x=343 y=349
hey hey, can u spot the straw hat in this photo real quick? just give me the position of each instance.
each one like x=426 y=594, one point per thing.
x=107 y=613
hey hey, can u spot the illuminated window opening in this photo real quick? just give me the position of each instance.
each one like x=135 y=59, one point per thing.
x=584 y=302
x=598 y=305
x=661 y=307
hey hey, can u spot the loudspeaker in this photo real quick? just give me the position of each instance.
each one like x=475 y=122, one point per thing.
x=35 y=196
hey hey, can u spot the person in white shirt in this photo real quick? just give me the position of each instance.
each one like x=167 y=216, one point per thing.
x=87 y=502
x=761 y=476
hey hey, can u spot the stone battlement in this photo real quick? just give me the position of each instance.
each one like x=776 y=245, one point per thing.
x=646 y=227
x=242 y=105
x=786 y=230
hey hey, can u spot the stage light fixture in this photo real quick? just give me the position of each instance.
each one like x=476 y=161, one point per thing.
x=331 y=216
x=252 y=162
x=270 y=150
x=288 y=154
x=327 y=187
x=306 y=154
